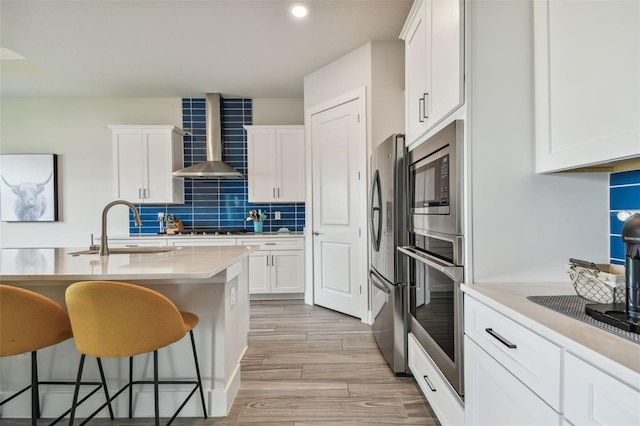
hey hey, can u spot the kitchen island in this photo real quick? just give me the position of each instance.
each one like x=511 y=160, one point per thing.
x=208 y=281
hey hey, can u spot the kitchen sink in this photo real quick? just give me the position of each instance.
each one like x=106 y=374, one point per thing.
x=126 y=250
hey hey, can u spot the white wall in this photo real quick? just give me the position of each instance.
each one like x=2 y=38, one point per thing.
x=284 y=111
x=75 y=129
x=387 y=90
x=525 y=226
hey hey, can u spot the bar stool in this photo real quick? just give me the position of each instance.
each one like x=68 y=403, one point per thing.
x=30 y=322
x=116 y=319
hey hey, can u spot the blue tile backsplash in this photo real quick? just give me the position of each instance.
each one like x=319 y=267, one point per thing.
x=218 y=203
x=624 y=194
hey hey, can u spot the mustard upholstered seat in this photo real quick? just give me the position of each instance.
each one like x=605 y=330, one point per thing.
x=30 y=322
x=115 y=319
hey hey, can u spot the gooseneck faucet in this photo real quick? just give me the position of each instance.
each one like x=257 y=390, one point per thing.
x=104 y=247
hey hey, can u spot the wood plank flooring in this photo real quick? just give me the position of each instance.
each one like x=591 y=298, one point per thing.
x=310 y=366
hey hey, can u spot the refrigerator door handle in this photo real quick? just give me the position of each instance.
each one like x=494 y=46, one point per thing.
x=376 y=189
x=377 y=282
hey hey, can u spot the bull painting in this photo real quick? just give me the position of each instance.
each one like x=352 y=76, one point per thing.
x=25 y=199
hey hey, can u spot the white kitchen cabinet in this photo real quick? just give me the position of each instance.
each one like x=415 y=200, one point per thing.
x=511 y=373
x=443 y=399
x=496 y=397
x=144 y=159
x=592 y=397
x=587 y=89
x=277 y=266
x=190 y=241
x=275 y=164
x=434 y=52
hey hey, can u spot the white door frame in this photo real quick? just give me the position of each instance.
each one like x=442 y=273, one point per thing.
x=359 y=95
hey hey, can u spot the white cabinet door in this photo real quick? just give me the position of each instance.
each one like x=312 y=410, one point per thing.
x=259 y=272
x=434 y=52
x=446 y=59
x=494 y=397
x=275 y=164
x=287 y=271
x=261 y=165
x=416 y=74
x=290 y=166
x=592 y=397
x=144 y=159
x=587 y=89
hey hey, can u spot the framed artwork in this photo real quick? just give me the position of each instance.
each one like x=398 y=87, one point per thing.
x=28 y=188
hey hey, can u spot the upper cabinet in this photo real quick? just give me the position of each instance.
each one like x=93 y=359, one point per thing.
x=275 y=164
x=587 y=82
x=434 y=61
x=144 y=159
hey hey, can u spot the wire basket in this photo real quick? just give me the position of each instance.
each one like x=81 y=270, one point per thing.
x=598 y=283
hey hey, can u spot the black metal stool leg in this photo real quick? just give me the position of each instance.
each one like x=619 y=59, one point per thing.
x=130 y=385
x=35 y=394
x=195 y=358
x=155 y=387
x=76 y=391
x=104 y=387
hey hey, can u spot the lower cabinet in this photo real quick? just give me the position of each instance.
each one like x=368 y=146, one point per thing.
x=444 y=401
x=277 y=267
x=592 y=397
x=496 y=397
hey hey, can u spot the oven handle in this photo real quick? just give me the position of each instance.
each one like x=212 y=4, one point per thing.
x=449 y=269
x=377 y=282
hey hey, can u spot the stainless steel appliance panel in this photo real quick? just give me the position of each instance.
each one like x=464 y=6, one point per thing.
x=435 y=182
x=435 y=273
x=387 y=227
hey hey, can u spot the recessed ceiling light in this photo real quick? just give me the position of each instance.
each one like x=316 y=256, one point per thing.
x=299 y=10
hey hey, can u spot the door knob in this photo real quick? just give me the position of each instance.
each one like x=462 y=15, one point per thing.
x=316 y=233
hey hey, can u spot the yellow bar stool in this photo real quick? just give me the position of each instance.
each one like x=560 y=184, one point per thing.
x=30 y=322
x=116 y=319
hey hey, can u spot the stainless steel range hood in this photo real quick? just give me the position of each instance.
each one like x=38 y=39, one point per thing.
x=214 y=167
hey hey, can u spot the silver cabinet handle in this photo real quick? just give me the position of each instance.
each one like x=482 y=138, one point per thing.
x=146 y=193
x=500 y=338
x=420 y=109
x=426 y=379
x=269 y=244
x=274 y=193
x=140 y=195
x=424 y=110
x=267 y=260
x=273 y=261
x=278 y=192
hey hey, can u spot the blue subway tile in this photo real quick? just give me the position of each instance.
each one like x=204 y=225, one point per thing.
x=625 y=198
x=616 y=247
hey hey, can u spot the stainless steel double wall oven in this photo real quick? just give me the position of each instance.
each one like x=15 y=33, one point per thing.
x=435 y=249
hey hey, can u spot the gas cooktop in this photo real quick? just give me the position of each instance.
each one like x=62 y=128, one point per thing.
x=211 y=231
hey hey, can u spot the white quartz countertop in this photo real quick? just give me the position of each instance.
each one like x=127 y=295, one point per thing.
x=223 y=236
x=616 y=355
x=51 y=264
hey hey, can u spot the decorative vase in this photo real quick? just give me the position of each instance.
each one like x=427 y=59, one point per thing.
x=257 y=227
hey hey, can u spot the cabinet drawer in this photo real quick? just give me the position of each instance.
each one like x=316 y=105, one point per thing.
x=441 y=396
x=190 y=241
x=531 y=358
x=273 y=243
x=592 y=397
x=494 y=396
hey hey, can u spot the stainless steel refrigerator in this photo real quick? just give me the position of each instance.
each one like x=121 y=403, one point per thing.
x=387 y=230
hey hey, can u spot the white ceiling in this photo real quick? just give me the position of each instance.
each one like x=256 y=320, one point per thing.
x=182 y=48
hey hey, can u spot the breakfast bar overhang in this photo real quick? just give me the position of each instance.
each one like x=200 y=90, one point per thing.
x=211 y=282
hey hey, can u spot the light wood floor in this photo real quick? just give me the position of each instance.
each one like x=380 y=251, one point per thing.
x=308 y=366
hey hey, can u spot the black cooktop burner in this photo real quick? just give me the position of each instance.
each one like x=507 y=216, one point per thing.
x=211 y=231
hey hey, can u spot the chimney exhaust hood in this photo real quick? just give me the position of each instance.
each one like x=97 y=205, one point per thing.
x=214 y=167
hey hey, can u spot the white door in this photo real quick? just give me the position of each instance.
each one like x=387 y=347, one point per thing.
x=338 y=145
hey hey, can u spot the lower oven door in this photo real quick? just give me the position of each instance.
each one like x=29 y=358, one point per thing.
x=435 y=311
